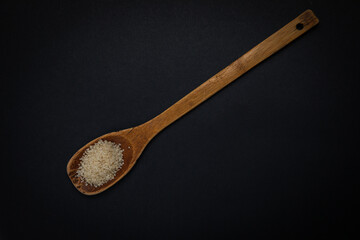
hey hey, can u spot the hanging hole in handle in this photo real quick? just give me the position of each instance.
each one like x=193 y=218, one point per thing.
x=299 y=26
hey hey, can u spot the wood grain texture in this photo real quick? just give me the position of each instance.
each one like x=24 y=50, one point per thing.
x=134 y=140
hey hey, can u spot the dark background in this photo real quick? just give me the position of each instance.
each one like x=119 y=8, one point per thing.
x=272 y=155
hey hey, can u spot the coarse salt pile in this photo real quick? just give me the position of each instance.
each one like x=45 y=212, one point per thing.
x=100 y=162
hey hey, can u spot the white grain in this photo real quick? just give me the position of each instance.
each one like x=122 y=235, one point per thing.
x=100 y=162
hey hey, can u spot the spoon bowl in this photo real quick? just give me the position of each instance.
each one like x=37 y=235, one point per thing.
x=129 y=157
x=134 y=140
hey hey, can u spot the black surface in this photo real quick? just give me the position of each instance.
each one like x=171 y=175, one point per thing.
x=271 y=155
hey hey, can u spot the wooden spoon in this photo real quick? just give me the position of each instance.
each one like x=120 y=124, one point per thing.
x=134 y=140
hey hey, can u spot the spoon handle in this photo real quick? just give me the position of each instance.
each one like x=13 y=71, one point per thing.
x=259 y=53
